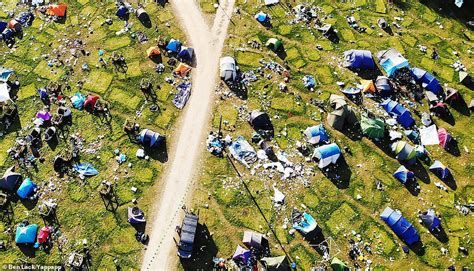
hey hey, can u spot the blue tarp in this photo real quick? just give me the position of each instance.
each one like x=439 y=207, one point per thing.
x=174 y=46
x=391 y=61
x=403 y=174
x=427 y=80
x=85 y=169
x=358 y=59
x=402 y=227
x=402 y=114
x=26 y=234
x=26 y=188
x=78 y=100
x=5 y=74
x=262 y=17
x=440 y=170
x=150 y=138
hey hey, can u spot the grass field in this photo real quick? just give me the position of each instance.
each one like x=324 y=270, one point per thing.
x=337 y=210
x=81 y=213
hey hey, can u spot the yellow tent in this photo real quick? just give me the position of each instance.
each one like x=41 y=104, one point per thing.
x=182 y=69
x=368 y=86
x=153 y=51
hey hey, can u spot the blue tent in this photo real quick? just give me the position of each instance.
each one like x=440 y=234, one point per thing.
x=25 y=18
x=43 y=94
x=403 y=174
x=430 y=220
x=262 y=17
x=26 y=234
x=427 y=80
x=316 y=134
x=309 y=81
x=402 y=227
x=26 y=188
x=403 y=115
x=440 y=170
x=5 y=74
x=186 y=53
x=358 y=59
x=78 y=100
x=3 y=26
x=174 y=46
x=85 y=169
x=391 y=61
x=7 y=34
x=122 y=11
x=327 y=154
x=151 y=139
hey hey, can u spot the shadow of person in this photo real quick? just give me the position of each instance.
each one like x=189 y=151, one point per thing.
x=204 y=250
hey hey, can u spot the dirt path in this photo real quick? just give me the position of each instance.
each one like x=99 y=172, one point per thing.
x=191 y=131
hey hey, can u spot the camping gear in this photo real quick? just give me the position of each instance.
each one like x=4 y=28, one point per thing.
x=173 y=46
x=186 y=54
x=351 y=91
x=338 y=265
x=26 y=188
x=261 y=123
x=90 y=102
x=327 y=154
x=14 y=25
x=430 y=220
x=43 y=94
x=404 y=151
x=391 y=61
x=43 y=235
x=440 y=170
x=367 y=86
x=182 y=69
x=26 y=234
x=228 y=69
x=254 y=240
x=402 y=227
x=427 y=80
x=382 y=23
x=241 y=150
x=58 y=10
x=262 y=17
x=153 y=51
x=10 y=180
x=25 y=18
x=382 y=83
x=358 y=59
x=135 y=215
x=85 y=169
x=182 y=95
x=303 y=222
x=274 y=44
x=429 y=136
x=50 y=133
x=78 y=100
x=5 y=74
x=279 y=263
x=187 y=235
x=372 y=127
x=401 y=113
x=44 y=115
x=444 y=137
x=316 y=134
x=151 y=139
x=342 y=113
x=4 y=92
x=309 y=81
x=122 y=12
x=403 y=175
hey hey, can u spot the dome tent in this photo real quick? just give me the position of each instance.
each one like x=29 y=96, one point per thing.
x=152 y=52
x=26 y=188
x=10 y=180
x=316 y=134
x=444 y=137
x=327 y=154
x=358 y=59
x=403 y=174
x=26 y=235
x=440 y=170
x=261 y=123
x=430 y=220
x=274 y=44
x=391 y=61
x=174 y=46
x=372 y=127
x=402 y=227
x=338 y=265
x=262 y=17
x=342 y=113
x=384 y=88
x=404 y=151
x=151 y=139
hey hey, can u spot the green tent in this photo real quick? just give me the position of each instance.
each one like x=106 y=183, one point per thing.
x=279 y=263
x=338 y=265
x=373 y=128
x=274 y=44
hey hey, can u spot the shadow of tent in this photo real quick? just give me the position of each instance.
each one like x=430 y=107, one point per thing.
x=15 y=124
x=384 y=145
x=204 y=250
x=317 y=240
x=239 y=89
x=353 y=132
x=413 y=187
x=29 y=204
x=27 y=250
x=441 y=235
x=367 y=74
x=281 y=52
x=453 y=148
x=156 y=59
x=53 y=142
x=450 y=182
x=339 y=174
x=418 y=248
x=162 y=3
x=460 y=106
x=139 y=227
x=420 y=171
x=145 y=20
x=160 y=153
x=449 y=9
x=193 y=63
x=448 y=118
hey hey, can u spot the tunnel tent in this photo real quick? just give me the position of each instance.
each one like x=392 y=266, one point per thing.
x=372 y=127
x=400 y=225
x=262 y=17
x=174 y=46
x=430 y=220
x=26 y=188
x=427 y=80
x=10 y=180
x=142 y=15
x=26 y=234
x=358 y=59
x=391 y=61
x=338 y=265
x=327 y=154
x=316 y=134
x=261 y=123
x=403 y=174
x=228 y=69
x=149 y=138
x=402 y=114
x=274 y=44
x=404 y=151
x=384 y=88
x=440 y=170
x=25 y=18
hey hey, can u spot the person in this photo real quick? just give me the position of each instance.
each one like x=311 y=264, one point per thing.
x=434 y=55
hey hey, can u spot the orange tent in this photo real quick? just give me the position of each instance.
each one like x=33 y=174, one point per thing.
x=153 y=51
x=57 y=10
x=14 y=25
x=182 y=69
x=367 y=86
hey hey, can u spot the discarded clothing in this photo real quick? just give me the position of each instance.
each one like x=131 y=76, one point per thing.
x=241 y=150
x=181 y=98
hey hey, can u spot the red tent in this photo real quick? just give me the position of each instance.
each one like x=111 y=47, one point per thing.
x=91 y=100
x=57 y=10
x=43 y=235
x=444 y=137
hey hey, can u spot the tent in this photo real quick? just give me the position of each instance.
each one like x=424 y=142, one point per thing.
x=228 y=69
x=382 y=23
x=403 y=174
x=439 y=108
x=444 y=137
x=174 y=46
x=452 y=96
x=327 y=154
x=368 y=86
x=427 y=80
x=85 y=169
x=5 y=74
x=274 y=44
x=342 y=114
x=25 y=18
x=241 y=150
x=182 y=95
x=262 y=17
x=78 y=100
x=241 y=255
x=309 y=81
x=4 y=92
x=338 y=265
x=122 y=11
x=430 y=220
x=261 y=123
x=187 y=235
x=316 y=134
x=43 y=235
x=303 y=222
x=26 y=235
x=182 y=69
x=358 y=59
x=404 y=151
x=402 y=227
x=10 y=180
x=279 y=263
x=135 y=215
x=382 y=83
x=372 y=127
x=57 y=10
x=391 y=61
x=254 y=240
x=429 y=136
x=14 y=25
x=3 y=26
x=440 y=170
x=464 y=78
x=153 y=51
x=186 y=54
x=26 y=188
x=402 y=114
x=90 y=101
x=151 y=139
x=271 y=2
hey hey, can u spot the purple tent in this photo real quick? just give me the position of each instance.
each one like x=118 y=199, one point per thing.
x=241 y=254
x=44 y=115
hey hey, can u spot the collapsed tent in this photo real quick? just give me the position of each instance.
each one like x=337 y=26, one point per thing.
x=85 y=169
x=135 y=215
x=153 y=51
x=174 y=46
x=444 y=137
x=26 y=235
x=358 y=59
x=316 y=134
x=338 y=265
x=427 y=80
x=58 y=10
x=384 y=88
x=430 y=220
x=440 y=170
x=401 y=113
x=261 y=123
x=186 y=54
x=429 y=136
x=274 y=44
x=228 y=69
x=391 y=61
x=279 y=263
x=402 y=227
x=262 y=17
x=4 y=92
x=327 y=154
x=241 y=150
x=182 y=95
x=10 y=180
x=242 y=255
x=342 y=113
x=372 y=127
x=404 y=151
x=26 y=189
x=303 y=222
x=254 y=240
x=182 y=69
x=403 y=174
x=149 y=138
x=5 y=74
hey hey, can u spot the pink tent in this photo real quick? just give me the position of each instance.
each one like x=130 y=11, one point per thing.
x=43 y=235
x=444 y=137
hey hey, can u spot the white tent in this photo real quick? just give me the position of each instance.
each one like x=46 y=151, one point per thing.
x=327 y=154
x=429 y=136
x=271 y=2
x=4 y=92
